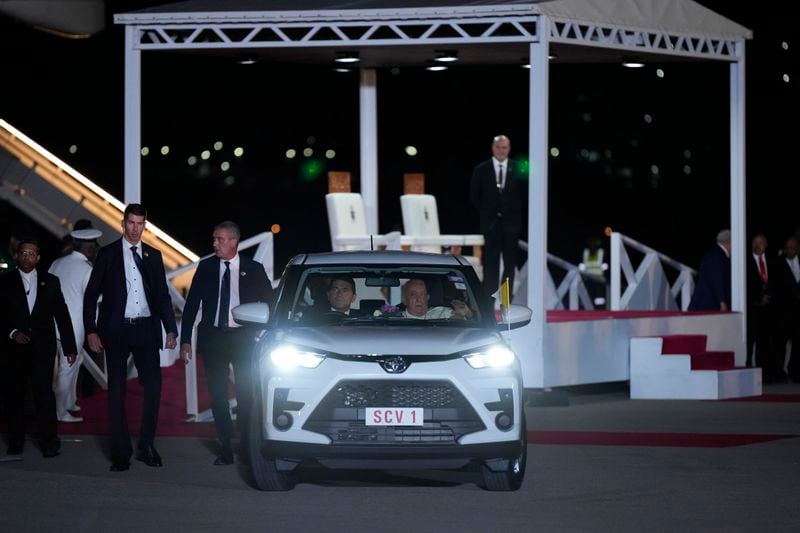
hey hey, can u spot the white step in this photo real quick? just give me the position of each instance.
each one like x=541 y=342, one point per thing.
x=657 y=376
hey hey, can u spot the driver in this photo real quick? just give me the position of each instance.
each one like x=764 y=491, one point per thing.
x=341 y=295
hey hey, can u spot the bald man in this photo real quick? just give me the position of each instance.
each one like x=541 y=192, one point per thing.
x=497 y=190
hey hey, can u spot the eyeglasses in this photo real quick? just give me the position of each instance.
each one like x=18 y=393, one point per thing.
x=28 y=253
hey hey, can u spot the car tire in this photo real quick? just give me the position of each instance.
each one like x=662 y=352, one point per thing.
x=265 y=473
x=511 y=478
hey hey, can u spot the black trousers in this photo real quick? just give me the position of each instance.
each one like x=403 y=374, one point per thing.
x=135 y=339
x=760 y=337
x=24 y=364
x=788 y=329
x=499 y=240
x=220 y=349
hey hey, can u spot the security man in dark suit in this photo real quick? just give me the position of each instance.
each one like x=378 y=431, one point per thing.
x=130 y=277
x=786 y=294
x=760 y=310
x=497 y=190
x=221 y=283
x=31 y=300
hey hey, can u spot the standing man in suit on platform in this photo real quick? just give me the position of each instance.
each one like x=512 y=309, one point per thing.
x=221 y=283
x=130 y=277
x=497 y=190
x=31 y=301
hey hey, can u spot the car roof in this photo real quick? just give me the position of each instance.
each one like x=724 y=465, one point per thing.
x=381 y=257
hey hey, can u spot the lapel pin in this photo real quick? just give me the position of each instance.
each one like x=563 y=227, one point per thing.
x=242 y=274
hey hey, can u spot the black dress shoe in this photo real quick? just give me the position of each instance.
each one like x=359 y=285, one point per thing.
x=14 y=449
x=224 y=459
x=51 y=447
x=119 y=466
x=50 y=452
x=149 y=456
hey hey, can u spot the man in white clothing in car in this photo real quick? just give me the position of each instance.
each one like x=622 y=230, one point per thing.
x=416 y=298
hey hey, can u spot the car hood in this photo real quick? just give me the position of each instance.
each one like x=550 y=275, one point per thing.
x=378 y=340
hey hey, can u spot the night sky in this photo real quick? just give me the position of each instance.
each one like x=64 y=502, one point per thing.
x=644 y=154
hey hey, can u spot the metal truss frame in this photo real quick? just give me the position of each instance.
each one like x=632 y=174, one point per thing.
x=643 y=41
x=425 y=31
x=338 y=33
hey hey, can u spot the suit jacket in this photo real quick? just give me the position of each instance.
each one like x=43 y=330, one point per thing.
x=37 y=324
x=713 y=281
x=108 y=280
x=756 y=288
x=254 y=286
x=785 y=289
x=490 y=201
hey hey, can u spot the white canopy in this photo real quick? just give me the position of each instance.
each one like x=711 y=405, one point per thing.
x=397 y=32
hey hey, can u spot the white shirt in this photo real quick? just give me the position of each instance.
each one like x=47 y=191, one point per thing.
x=497 y=165
x=758 y=264
x=234 y=296
x=136 y=304
x=727 y=253
x=73 y=271
x=29 y=281
x=794 y=265
x=439 y=311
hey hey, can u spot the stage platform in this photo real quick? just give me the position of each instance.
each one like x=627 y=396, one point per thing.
x=584 y=347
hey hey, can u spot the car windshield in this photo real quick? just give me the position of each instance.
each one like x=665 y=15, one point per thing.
x=362 y=295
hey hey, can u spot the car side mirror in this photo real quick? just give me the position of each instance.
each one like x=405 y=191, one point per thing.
x=252 y=314
x=517 y=316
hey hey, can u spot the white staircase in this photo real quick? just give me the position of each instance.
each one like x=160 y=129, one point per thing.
x=680 y=367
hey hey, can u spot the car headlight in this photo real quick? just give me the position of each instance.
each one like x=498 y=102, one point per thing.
x=289 y=356
x=496 y=356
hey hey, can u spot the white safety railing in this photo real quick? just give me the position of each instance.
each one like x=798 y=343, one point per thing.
x=264 y=254
x=647 y=287
x=572 y=285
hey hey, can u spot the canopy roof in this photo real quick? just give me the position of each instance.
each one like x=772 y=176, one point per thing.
x=484 y=31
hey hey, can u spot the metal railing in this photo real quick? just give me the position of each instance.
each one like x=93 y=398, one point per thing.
x=647 y=287
x=572 y=285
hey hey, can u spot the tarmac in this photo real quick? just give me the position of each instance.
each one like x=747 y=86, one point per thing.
x=597 y=461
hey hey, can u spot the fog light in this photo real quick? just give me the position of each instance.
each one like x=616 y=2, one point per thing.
x=504 y=421
x=283 y=421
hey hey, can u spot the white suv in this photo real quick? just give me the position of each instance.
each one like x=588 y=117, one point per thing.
x=415 y=374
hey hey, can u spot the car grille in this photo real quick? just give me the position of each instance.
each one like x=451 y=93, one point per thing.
x=340 y=415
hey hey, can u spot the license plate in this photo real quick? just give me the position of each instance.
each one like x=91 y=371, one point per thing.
x=394 y=416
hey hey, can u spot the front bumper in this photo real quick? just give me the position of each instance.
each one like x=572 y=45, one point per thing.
x=325 y=408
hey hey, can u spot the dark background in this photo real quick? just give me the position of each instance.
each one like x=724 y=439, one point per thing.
x=70 y=92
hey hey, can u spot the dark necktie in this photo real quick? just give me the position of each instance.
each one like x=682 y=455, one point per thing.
x=142 y=273
x=225 y=297
x=500 y=183
x=762 y=269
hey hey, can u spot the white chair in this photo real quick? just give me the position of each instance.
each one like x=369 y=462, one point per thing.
x=421 y=227
x=348 y=223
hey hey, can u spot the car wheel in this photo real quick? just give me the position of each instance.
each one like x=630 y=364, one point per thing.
x=265 y=473
x=511 y=477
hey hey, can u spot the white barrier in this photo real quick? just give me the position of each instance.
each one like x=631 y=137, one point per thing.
x=647 y=287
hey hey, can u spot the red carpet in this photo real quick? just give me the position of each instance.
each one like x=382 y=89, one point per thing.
x=582 y=315
x=679 y=440
x=171 y=417
x=787 y=398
